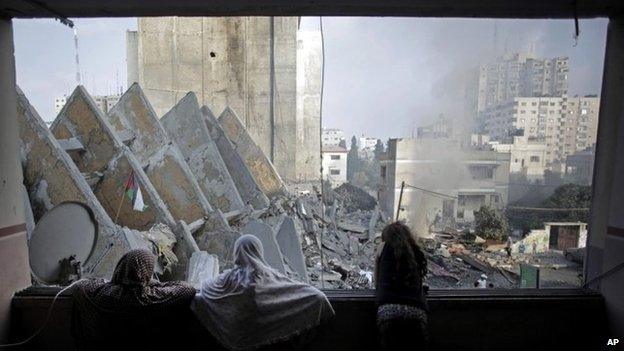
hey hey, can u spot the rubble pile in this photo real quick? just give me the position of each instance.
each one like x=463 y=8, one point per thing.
x=186 y=186
x=354 y=198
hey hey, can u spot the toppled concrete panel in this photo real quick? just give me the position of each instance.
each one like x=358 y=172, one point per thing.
x=245 y=183
x=259 y=165
x=159 y=156
x=202 y=267
x=52 y=178
x=289 y=242
x=272 y=254
x=185 y=125
x=104 y=152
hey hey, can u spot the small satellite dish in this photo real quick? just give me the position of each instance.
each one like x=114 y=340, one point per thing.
x=67 y=229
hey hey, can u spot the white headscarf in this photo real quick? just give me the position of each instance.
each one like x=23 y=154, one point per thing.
x=253 y=305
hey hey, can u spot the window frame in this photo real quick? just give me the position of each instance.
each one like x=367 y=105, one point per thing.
x=503 y=9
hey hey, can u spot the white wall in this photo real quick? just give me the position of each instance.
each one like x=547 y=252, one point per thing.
x=339 y=165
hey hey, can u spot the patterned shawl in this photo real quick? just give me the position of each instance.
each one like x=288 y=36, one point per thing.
x=253 y=305
x=131 y=298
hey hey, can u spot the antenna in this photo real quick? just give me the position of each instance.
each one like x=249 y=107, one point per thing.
x=77 y=60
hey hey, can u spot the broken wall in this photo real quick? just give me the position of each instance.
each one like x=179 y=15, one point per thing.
x=159 y=156
x=246 y=185
x=51 y=178
x=186 y=126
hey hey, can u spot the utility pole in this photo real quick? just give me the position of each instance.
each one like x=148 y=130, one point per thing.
x=400 y=199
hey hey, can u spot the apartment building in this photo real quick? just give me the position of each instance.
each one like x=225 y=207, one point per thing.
x=567 y=125
x=520 y=74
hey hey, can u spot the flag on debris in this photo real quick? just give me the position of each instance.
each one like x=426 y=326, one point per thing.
x=133 y=191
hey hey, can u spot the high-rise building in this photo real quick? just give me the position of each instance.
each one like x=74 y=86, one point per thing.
x=567 y=125
x=520 y=74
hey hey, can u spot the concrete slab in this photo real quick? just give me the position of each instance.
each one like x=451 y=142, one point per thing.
x=159 y=156
x=202 y=267
x=51 y=178
x=185 y=124
x=259 y=165
x=216 y=237
x=245 y=183
x=104 y=152
x=289 y=242
x=272 y=253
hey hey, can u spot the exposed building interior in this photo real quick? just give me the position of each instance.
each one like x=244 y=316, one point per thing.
x=206 y=160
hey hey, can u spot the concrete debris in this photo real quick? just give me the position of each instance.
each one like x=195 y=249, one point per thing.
x=204 y=181
x=202 y=267
x=186 y=126
x=245 y=183
x=354 y=198
x=442 y=251
x=163 y=239
x=51 y=178
x=257 y=162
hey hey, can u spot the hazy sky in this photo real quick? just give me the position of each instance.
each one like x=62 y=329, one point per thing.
x=384 y=76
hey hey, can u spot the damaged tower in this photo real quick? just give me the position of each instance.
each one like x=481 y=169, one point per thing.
x=263 y=68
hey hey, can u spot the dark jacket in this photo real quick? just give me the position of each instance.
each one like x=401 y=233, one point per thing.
x=392 y=286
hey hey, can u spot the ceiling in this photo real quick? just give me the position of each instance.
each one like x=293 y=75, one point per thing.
x=418 y=8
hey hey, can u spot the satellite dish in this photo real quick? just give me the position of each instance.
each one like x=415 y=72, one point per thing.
x=67 y=229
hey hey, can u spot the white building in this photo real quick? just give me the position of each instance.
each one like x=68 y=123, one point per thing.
x=528 y=156
x=103 y=102
x=367 y=143
x=335 y=164
x=567 y=125
x=332 y=136
x=445 y=181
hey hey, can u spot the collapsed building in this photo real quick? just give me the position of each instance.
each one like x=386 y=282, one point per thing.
x=445 y=182
x=203 y=182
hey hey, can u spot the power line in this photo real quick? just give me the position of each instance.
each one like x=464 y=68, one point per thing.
x=430 y=191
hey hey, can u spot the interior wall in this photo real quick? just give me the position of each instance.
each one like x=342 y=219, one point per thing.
x=538 y=322
x=606 y=227
x=14 y=272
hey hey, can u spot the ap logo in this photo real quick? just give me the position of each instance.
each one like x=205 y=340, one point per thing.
x=613 y=342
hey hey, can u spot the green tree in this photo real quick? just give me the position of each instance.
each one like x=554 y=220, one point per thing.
x=353 y=160
x=379 y=149
x=490 y=224
x=572 y=196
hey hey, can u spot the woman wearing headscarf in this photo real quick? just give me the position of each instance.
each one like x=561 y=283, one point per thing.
x=400 y=270
x=131 y=308
x=252 y=305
